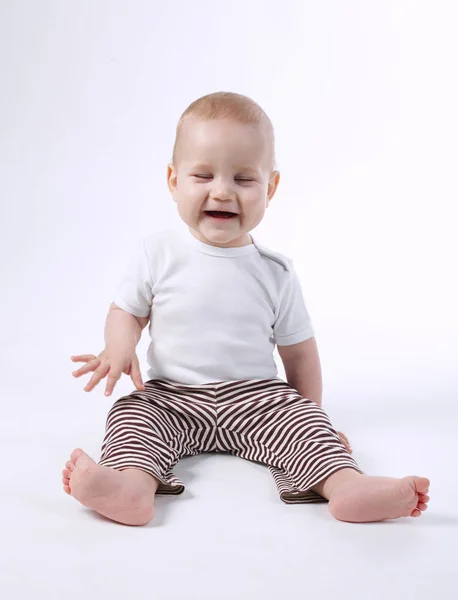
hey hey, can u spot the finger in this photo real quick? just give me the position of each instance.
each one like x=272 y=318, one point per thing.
x=347 y=444
x=136 y=375
x=347 y=447
x=343 y=440
x=88 y=368
x=99 y=374
x=83 y=358
x=113 y=377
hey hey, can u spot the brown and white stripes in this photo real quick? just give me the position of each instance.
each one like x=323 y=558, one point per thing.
x=265 y=421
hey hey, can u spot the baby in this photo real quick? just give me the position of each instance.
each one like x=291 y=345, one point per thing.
x=217 y=303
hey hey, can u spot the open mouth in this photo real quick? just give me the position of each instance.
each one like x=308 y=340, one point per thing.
x=220 y=214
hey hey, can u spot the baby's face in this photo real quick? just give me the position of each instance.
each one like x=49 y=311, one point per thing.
x=222 y=165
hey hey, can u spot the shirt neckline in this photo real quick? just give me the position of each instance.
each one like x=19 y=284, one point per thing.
x=224 y=252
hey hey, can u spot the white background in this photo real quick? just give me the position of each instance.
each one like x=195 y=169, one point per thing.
x=363 y=98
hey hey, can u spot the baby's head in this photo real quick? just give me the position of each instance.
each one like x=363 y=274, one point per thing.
x=223 y=160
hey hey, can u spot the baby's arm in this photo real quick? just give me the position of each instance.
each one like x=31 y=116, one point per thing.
x=122 y=334
x=122 y=330
x=303 y=368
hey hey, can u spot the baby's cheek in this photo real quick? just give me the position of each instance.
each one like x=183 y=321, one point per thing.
x=193 y=194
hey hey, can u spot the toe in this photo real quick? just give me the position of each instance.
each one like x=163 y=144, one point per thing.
x=416 y=512
x=76 y=454
x=67 y=489
x=422 y=485
x=421 y=506
x=69 y=465
x=66 y=473
x=423 y=498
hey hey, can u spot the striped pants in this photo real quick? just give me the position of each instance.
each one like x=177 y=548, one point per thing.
x=265 y=421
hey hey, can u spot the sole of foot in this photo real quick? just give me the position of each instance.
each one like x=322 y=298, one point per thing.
x=368 y=499
x=126 y=497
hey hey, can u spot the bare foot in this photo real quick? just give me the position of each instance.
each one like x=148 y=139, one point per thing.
x=363 y=499
x=123 y=496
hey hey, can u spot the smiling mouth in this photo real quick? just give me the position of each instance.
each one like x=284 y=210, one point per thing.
x=220 y=214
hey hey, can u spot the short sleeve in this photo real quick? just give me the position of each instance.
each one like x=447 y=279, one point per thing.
x=292 y=323
x=134 y=292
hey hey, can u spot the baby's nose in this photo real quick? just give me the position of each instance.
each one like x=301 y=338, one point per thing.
x=222 y=190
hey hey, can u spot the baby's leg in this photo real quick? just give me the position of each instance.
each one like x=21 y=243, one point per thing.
x=124 y=496
x=138 y=454
x=362 y=499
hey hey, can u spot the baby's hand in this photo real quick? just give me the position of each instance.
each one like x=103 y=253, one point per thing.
x=109 y=363
x=345 y=442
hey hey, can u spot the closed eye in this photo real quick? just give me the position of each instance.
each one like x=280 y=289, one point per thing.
x=240 y=179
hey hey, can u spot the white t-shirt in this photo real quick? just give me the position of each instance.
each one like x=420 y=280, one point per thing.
x=216 y=313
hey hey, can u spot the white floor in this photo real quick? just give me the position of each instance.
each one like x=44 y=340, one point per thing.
x=228 y=536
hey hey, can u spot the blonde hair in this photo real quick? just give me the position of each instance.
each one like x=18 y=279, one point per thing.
x=227 y=105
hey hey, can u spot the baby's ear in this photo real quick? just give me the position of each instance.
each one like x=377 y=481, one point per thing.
x=274 y=180
x=171 y=178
